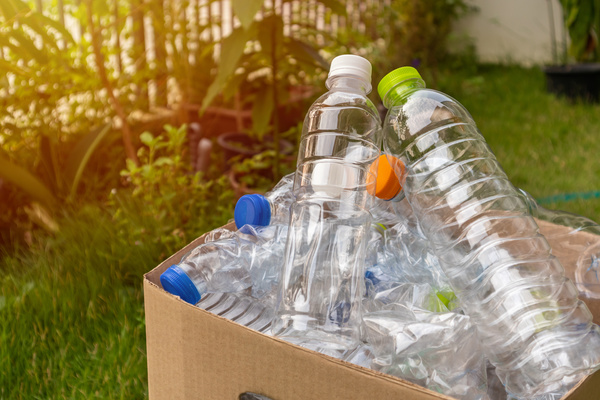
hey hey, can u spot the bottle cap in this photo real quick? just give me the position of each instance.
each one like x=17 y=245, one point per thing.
x=350 y=64
x=252 y=209
x=387 y=185
x=175 y=281
x=395 y=77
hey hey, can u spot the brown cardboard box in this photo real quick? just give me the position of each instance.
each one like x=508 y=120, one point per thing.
x=193 y=354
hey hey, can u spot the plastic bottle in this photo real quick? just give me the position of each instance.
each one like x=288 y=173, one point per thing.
x=238 y=307
x=250 y=258
x=405 y=255
x=579 y=236
x=272 y=208
x=534 y=329
x=391 y=206
x=319 y=304
x=439 y=351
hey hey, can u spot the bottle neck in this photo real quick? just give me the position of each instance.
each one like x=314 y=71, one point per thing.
x=348 y=83
x=399 y=93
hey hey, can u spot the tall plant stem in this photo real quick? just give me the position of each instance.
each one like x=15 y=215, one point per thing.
x=117 y=106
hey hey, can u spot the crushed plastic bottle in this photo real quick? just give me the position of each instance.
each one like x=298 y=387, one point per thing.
x=319 y=305
x=249 y=258
x=362 y=356
x=533 y=328
x=439 y=351
x=272 y=208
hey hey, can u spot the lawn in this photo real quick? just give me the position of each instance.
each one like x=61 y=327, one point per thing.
x=72 y=306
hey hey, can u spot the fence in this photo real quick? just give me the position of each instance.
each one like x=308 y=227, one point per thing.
x=169 y=45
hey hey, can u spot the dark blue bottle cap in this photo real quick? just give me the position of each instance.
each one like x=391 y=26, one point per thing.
x=252 y=209
x=175 y=281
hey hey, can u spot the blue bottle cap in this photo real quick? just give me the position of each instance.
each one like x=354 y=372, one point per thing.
x=252 y=209
x=175 y=281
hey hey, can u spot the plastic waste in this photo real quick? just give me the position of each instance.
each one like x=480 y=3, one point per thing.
x=272 y=208
x=362 y=356
x=534 y=329
x=439 y=351
x=319 y=304
x=241 y=308
x=249 y=258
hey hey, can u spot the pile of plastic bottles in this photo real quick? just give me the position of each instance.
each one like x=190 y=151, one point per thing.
x=424 y=263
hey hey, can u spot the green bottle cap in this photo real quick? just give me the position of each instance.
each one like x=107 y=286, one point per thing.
x=394 y=78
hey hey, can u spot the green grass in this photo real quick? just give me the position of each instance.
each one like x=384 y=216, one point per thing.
x=71 y=307
x=546 y=145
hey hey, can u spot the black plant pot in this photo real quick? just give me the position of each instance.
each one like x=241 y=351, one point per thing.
x=237 y=143
x=575 y=81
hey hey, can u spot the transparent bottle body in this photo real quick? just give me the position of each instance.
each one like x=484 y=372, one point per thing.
x=250 y=258
x=532 y=325
x=241 y=308
x=319 y=303
x=280 y=199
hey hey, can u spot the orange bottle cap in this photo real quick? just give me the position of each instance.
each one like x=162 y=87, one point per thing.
x=383 y=181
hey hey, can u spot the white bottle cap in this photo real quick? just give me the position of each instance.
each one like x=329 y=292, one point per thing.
x=350 y=64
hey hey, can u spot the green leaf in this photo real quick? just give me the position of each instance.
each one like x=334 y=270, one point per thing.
x=80 y=156
x=596 y=28
x=580 y=30
x=232 y=48
x=39 y=22
x=34 y=24
x=28 y=45
x=270 y=36
x=10 y=8
x=163 y=161
x=147 y=138
x=305 y=53
x=571 y=16
x=245 y=10
x=262 y=111
x=27 y=182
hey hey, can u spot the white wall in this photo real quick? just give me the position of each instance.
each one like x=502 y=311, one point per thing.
x=516 y=31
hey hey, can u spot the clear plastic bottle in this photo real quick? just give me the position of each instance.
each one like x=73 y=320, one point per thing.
x=319 y=304
x=533 y=328
x=580 y=237
x=390 y=206
x=250 y=258
x=272 y=208
x=405 y=254
x=246 y=310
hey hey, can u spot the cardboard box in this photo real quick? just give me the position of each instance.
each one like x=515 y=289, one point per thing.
x=193 y=354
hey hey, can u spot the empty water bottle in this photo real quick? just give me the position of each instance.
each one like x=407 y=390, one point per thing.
x=272 y=208
x=319 y=305
x=246 y=310
x=533 y=327
x=575 y=235
x=250 y=258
